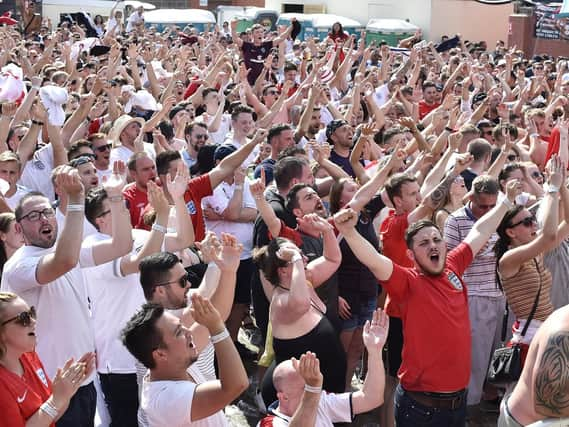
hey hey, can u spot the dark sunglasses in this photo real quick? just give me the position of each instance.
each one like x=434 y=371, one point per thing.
x=24 y=318
x=103 y=148
x=536 y=174
x=512 y=157
x=527 y=222
x=182 y=281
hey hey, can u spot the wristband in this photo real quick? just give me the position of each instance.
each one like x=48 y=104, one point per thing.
x=49 y=409
x=506 y=202
x=534 y=135
x=75 y=207
x=451 y=130
x=312 y=389
x=239 y=186
x=296 y=257
x=552 y=188
x=220 y=337
x=159 y=228
x=116 y=199
x=171 y=229
x=36 y=87
x=35 y=122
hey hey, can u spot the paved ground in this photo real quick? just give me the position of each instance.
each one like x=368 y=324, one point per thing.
x=244 y=413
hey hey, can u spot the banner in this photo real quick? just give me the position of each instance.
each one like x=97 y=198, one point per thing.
x=549 y=25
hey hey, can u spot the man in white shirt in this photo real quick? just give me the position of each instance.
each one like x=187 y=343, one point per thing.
x=135 y=20
x=46 y=272
x=243 y=125
x=171 y=396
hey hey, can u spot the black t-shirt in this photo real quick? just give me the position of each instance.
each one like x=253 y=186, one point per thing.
x=355 y=279
x=468 y=177
x=254 y=57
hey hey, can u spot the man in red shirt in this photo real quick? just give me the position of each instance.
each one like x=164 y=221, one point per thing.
x=435 y=364
x=428 y=103
x=142 y=170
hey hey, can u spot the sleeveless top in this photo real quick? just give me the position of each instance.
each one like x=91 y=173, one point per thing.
x=521 y=290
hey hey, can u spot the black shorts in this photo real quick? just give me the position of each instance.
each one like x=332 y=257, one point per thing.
x=243 y=281
x=394 y=345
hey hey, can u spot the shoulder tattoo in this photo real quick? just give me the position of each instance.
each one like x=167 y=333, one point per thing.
x=552 y=378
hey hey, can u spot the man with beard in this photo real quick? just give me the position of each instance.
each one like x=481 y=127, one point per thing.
x=340 y=134
x=196 y=137
x=432 y=298
x=173 y=393
x=46 y=273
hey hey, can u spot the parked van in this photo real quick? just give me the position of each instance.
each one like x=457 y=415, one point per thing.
x=163 y=18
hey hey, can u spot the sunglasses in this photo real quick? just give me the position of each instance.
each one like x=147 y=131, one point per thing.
x=527 y=222
x=536 y=174
x=512 y=157
x=201 y=136
x=24 y=318
x=182 y=281
x=103 y=148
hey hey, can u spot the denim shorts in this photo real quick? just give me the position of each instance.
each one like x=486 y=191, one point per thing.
x=361 y=313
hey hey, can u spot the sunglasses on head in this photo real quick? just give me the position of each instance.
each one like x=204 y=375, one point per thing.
x=527 y=222
x=182 y=281
x=24 y=318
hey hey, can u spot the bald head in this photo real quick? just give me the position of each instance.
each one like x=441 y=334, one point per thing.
x=289 y=386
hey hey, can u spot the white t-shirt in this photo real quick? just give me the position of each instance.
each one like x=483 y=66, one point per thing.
x=88 y=228
x=114 y=300
x=252 y=156
x=13 y=200
x=101 y=173
x=169 y=403
x=332 y=408
x=63 y=327
x=133 y=20
x=224 y=127
x=123 y=153
x=243 y=231
x=37 y=172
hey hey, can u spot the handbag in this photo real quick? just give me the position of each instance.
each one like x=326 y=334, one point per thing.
x=506 y=362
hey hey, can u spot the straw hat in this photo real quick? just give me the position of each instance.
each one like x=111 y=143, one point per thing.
x=119 y=125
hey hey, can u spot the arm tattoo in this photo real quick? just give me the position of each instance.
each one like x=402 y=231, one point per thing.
x=552 y=378
x=436 y=198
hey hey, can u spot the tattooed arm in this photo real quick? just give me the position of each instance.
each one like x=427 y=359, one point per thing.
x=551 y=391
x=436 y=198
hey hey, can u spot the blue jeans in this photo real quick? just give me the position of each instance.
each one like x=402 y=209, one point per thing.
x=410 y=413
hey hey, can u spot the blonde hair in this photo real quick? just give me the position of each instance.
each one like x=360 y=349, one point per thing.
x=5 y=298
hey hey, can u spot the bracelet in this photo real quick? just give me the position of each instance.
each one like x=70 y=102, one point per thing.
x=220 y=337
x=506 y=202
x=49 y=409
x=534 y=135
x=115 y=199
x=35 y=122
x=36 y=87
x=159 y=228
x=451 y=130
x=89 y=119
x=75 y=207
x=312 y=389
x=239 y=186
x=171 y=229
x=552 y=189
x=296 y=257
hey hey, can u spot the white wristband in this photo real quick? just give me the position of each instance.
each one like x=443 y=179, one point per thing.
x=159 y=228
x=49 y=409
x=75 y=207
x=312 y=389
x=552 y=188
x=219 y=337
x=507 y=203
x=239 y=186
x=36 y=87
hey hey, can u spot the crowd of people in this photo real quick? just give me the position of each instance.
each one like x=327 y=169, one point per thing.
x=162 y=191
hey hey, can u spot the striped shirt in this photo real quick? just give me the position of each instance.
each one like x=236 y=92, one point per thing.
x=521 y=290
x=480 y=277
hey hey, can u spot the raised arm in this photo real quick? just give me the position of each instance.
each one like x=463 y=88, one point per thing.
x=379 y=265
x=234 y=160
x=213 y=396
x=269 y=216
x=184 y=236
x=322 y=268
x=121 y=236
x=67 y=247
x=485 y=226
x=308 y=368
